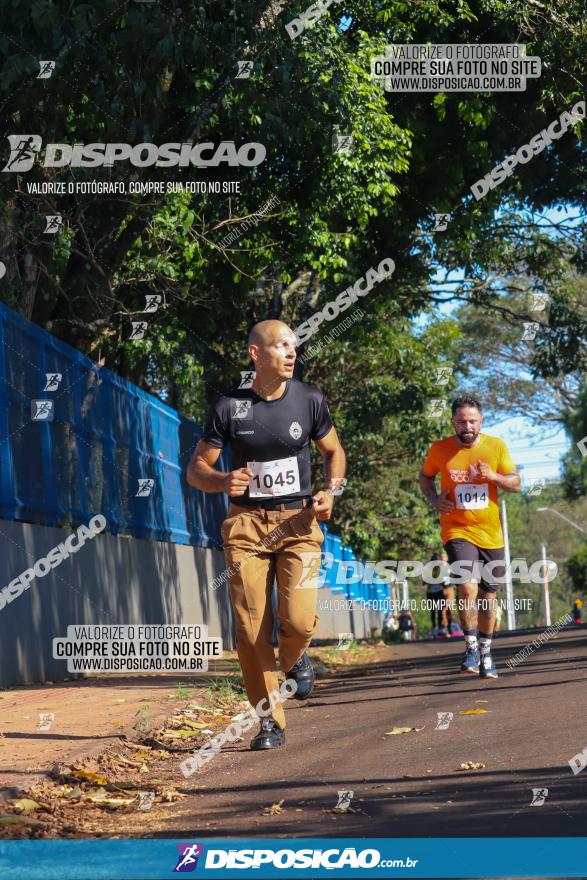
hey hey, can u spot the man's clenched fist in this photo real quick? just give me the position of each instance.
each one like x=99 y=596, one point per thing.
x=237 y=482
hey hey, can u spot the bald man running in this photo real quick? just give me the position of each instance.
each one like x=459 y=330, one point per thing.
x=270 y=531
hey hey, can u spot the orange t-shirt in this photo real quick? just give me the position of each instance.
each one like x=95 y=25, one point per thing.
x=476 y=514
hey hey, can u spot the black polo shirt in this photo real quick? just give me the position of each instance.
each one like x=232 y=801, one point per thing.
x=272 y=437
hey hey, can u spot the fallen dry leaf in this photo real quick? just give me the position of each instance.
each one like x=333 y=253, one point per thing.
x=274 y=809
x=89 y=776
x=473 y=712
x=68 y=791
x=396 y=730
x=25 y=805
x=128 y=762
x=169 y=795
x=180 y=733
x=472 y=765
x=101 y=797
x=18 y=820
x=196 y=725
x=135 y=746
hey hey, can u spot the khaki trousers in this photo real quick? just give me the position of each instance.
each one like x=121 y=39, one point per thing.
x=260 y=546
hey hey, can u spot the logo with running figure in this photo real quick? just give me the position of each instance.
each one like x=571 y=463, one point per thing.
x=188 y=857
x=23 y=151
x=242 y=409
x=295 y=429
x=311 y=565
x=539 y=796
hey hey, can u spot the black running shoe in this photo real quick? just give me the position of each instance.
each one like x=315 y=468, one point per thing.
x=270 y=736
x=302 y=673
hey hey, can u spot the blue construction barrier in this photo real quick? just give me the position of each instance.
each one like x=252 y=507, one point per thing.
x=338 y=572
x=104 y=438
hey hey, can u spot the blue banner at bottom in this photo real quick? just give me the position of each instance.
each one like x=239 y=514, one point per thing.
x=496 y=857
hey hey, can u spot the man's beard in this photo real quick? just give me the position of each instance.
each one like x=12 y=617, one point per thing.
x=467 y=436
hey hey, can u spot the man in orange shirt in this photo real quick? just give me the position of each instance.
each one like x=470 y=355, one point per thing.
x=472 y=467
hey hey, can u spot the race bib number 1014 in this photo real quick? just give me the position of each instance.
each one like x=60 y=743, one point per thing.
x=270 y=478
x=472 y=496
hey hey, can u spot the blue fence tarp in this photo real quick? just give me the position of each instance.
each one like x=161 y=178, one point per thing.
x=345 y=574
x=105 y=439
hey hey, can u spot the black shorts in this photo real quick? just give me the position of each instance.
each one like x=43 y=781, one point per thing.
x=459 y=550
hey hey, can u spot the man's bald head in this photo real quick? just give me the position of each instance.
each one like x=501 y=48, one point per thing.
x=272 y=347
x=266 y=332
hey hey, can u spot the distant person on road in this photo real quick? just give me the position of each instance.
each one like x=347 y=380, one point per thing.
x=455 y=630
x=390 y=627
x=472 y=467
x=448 y=596
x=271 y=530
x=434 y=595
x=498 y=617
x=577 y=611
x=407 y=626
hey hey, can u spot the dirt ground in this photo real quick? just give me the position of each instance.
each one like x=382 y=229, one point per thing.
x=91 y=757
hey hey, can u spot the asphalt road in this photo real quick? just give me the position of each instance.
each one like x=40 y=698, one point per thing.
x=410 y=784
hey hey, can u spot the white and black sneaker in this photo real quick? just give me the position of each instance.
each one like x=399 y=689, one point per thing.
x=487 y=666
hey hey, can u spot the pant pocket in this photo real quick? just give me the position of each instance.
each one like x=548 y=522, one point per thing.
x=230 y=526
x=304 y=525
x=317 y=532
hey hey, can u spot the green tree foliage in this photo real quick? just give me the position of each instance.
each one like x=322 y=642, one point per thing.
x=528 y=530
x=576 y=566
x=150 y=72
x=535 y=280
x=137 y=72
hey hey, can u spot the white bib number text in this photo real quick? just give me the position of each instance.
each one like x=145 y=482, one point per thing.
x=279 y=477
x=472 y=496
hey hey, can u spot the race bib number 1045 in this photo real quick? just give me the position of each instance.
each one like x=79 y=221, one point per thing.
x=279 y=477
